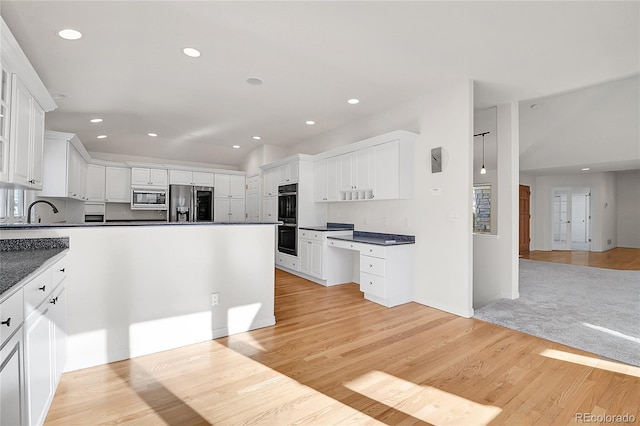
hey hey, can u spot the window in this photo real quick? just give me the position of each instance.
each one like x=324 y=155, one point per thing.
x=13 y=205
x=482 y=209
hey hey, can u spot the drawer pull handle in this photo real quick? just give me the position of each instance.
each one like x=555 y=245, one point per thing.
x=370 y=250
x=7 y=322
x=370 y=282
x=42 y=288
x=370 y=266
x=62 y=270
x=54 y=300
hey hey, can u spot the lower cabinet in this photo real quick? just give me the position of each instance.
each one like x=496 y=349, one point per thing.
x=310 y=253
x=228 y=210
x=13 y=403
x=32 y=357
x=287 y=261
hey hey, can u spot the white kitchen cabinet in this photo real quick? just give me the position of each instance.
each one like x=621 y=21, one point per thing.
x=95 y=183
x=310 y=253
x=13 y=402
x=186 y=177
x=270 y=209
x=356 y=175
x=64 y=171
x=287 y=261
x=252 y=200
x=143 y=176
x=117 y=185
x=387 y=180
x=229 y=186
x=270 y=182
x=288 y=173
x=326 y=179
x=26 y=138
x=5 y=117
x=228 y=210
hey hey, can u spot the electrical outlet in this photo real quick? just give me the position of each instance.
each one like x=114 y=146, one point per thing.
x=215 y=299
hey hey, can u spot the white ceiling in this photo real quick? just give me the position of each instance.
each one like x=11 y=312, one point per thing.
x=312 y=56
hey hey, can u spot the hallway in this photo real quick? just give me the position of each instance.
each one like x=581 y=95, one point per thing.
x=620 y=258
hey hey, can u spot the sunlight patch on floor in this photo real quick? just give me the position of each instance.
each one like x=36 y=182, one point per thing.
x=424 y=403
x=612 y=332
x=602 y=364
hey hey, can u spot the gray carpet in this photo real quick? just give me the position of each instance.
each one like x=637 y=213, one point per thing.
x=594 y=309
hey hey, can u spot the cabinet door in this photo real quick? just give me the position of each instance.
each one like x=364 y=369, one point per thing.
x=237 y=186
x=20 y=129
x=118 y=185
x=316 y=258
x=385 y=159
x=4 y=125
x=76 y=174
x=270 y=209
x=363 y=169
x=236 y=210
x=38 y=362
x=95 y=184
x=270 y=182
x=58 y=315
x=221 y=209
x=320 y=181
x=37 y=147
x=203 y=179
x=333 y=179
x=13 y=402
x=347 y=165
x=159 y=177
x=180 y=177
x=140 y=176
x=304 y=255
x=310 y=257
x=222 y=185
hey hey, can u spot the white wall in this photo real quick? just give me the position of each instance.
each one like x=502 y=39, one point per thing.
x=628 y=208
x=441 y=223
x=495 y=257
x=603 y=208
x=264 y=154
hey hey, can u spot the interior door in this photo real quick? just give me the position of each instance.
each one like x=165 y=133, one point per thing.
x=580 y=213
x=561 y=211
x=525 y=219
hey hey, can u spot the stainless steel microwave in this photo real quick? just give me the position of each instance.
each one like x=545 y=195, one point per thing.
x=148 y=199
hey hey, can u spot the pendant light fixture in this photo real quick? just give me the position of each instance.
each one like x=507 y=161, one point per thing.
x=483 y=170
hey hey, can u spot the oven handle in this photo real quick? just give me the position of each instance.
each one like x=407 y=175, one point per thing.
x=289 y=225
x=283 y=194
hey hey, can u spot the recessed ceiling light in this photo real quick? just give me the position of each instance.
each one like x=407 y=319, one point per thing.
x=256 y=138
x=353 y=101
x=310 y=122
x=585 y=169
x=69 y=34
x=153 y=135
x=96 y=120
x=190 y=51
x=236 y=146
x=254 y=81
x=101 y=136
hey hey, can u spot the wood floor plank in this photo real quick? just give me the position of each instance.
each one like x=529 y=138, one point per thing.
x=620 y=258
x=335 y=358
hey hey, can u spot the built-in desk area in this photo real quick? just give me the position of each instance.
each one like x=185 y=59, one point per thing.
x=385 y=264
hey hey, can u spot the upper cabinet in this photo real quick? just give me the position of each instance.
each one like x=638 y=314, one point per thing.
x=229 y=186
x=95 y=182
x=185 y=177
x=65 y=166
x=23 y=103
x=380 y=168
x=142 y=176
x=117 y=184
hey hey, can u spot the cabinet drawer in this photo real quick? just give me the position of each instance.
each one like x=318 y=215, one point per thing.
x=310 y=235
x=343 y=244
x=11 y=315
x=36 y=290
x=287 y=261
x=372 y=265
x=58 y=272
x=372 y=250
x=372 y=284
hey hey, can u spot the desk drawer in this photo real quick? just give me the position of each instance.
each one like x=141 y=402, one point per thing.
x=343 y=244
x=372 y=284
x=310 y=235
x=372 y=265
x=373 y=250
x=58 y=272
x=11 y=315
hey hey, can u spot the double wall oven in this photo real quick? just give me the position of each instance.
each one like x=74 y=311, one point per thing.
x=288 y=215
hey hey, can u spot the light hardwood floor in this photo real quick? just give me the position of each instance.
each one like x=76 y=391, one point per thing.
x=335 y=358
x=618 y=258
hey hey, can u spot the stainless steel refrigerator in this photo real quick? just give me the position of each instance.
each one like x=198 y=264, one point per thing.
x=190 y=203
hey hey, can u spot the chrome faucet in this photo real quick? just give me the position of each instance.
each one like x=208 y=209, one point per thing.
x=55 y=210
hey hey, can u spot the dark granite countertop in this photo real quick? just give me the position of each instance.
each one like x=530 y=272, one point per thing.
x=377 y=238
x=13 y=226
x=330 y=226
x=19 y=258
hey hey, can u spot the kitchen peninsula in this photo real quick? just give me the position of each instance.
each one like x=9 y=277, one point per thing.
x=135 y=289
